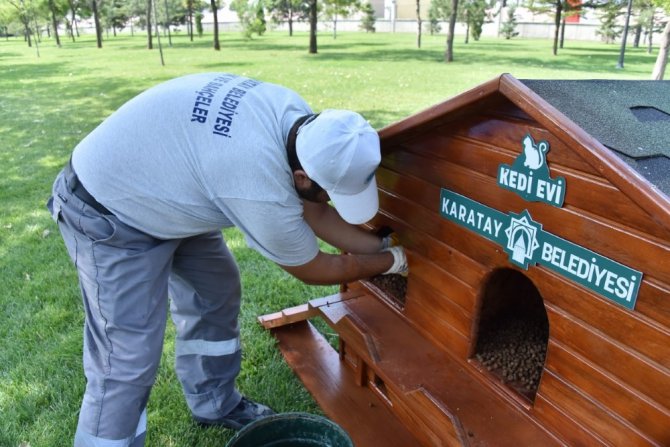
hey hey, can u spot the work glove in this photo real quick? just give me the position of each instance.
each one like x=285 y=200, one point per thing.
x=399 y=266
x=389 y=241
x=388 y=236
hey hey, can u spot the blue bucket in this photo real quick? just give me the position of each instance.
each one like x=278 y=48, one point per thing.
x=291 y=430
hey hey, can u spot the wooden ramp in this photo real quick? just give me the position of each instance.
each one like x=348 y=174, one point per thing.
x=388 y=386
x=356 y=409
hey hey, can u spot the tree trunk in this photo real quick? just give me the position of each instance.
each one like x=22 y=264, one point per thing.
x=38 y=37
x=449 y=53
x=335 y=26
x=73 y=20
x=98 y=30
x=624 y=38
x=638 y=35
x=662 y=58
x=189 y=5
x=557 y=24
x=290 y=22
x=312 y=27
x=167 y=23
x=651 y=31
x=562 y=33
x=215 y=8
x=52 y=7
x=418 y=23
x=28 y=33
x=158 y=34
x=75 y=23
x=150 y=41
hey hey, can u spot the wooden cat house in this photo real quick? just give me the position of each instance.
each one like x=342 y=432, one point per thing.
x=536 y=219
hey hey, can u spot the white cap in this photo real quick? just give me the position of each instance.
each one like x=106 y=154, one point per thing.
x=339 y=150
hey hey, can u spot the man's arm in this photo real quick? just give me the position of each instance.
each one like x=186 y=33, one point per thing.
x=363 y=259
x=326 y=269
x=330 y=227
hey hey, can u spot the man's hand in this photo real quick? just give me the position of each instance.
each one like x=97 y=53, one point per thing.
x=399 y=266
x=389 y=241
x=388 y=237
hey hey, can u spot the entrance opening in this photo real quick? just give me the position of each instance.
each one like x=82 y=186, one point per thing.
x=511 y=331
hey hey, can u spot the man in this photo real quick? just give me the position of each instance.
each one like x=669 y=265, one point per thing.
x=141 y=205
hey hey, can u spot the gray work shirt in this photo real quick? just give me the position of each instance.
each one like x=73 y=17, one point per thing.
x=200 y=153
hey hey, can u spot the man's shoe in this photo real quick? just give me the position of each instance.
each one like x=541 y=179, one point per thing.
x=246 y=412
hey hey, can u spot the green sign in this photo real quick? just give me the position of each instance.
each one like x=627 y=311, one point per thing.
x=529 y=175
x=527 y=243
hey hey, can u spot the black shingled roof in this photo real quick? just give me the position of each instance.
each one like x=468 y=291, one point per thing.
x=632 y=118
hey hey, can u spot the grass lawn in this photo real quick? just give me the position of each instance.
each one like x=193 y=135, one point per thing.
x=48 y=103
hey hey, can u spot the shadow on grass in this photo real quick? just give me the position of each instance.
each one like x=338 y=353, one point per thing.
x=512 y=54
x=478 y=54
x=9 y=54
x=222 y=66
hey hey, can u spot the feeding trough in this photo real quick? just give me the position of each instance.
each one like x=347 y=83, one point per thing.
x=536 y=219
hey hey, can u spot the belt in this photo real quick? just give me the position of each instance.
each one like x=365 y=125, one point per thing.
x=78 y=190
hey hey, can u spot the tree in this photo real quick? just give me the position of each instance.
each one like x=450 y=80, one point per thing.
x=96 y=20
x=150 y=42
x=609 y=30
x=251 y=16
x=115 y=14
x=25 y=12
x=6 y=19
x=78 y=8
x=449 y=53
x=170 y=13
x=158 y=35
x=215 y=10
x=287 y=11
x=571 y=8
x=662 y=58
x=312 y=26
x=434 y=15
x=447 y=9
x=560 y=9
x=167 y=21
x=56 y=14
x=418 y=23
x=653 y=26
x=548 y=6
x=198 y=23
x=509 y=27
x=136 y=12
x=473 y=14
x=259 y=24
x=189 y=18
x=339 y=8
x=643 y=9
x=368 y=20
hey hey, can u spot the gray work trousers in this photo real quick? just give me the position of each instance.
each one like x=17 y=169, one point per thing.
x=125 y=276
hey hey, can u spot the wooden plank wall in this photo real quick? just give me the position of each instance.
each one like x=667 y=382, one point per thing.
x=607 y=370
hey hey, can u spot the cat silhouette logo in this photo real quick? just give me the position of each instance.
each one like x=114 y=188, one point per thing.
x=529 y=175
x=535 y=154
